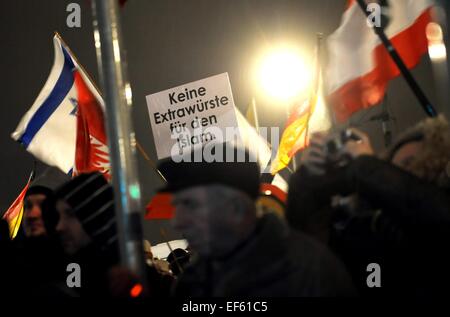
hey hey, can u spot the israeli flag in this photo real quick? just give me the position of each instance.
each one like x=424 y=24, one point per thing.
x=48 y=129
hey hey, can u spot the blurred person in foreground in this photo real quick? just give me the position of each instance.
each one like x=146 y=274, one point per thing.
x=85 y=224
x=235 y=252
x=393 y=211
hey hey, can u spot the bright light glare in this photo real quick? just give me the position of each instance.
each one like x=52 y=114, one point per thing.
x=283 y=74
x=128 y=94
x=436 y=47
x=437 y=52
x=320 y=119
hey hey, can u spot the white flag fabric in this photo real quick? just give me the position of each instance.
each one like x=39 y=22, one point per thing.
x=251 y=140
x=259 y=148
x=360 y=66
x=49 y=128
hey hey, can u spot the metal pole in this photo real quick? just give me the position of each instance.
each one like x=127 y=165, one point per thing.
x=121 y=138
x=440 y=65
x=445 y=5
x=315 y=88
x=255 y=114
x=416 y=89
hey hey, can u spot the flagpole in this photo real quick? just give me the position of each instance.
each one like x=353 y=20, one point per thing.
x=163 y=234
x=384 y=117
x=121 y=137
x=265 y=177
x=412 y=83
x=150 y=162
x=440 y=64
x=319 y=37
x=314 y=88
x=79 y=65
x=255 y=114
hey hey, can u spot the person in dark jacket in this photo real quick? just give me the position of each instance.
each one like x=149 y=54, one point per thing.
x=394 y=212
x=235 y=252
x=87 y=229
x=37 y=255
x=86 y=226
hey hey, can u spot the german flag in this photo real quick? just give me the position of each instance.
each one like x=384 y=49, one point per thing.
x=14 y=213
x=295 y=135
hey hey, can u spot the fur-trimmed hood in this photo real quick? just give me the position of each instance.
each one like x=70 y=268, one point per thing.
x=433 y=161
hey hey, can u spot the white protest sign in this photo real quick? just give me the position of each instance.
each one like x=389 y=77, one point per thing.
x=191 y=115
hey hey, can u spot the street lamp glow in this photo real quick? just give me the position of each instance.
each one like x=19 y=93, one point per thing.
x=437 y=52
x=436 y=46
x=283 y=74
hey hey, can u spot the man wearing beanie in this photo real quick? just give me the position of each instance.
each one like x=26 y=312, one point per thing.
x=237 y=253
x=87 y=229
x=33 y=225
x=40 y=189
x=37 y=254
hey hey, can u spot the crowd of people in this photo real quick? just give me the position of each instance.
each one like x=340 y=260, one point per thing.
x=348 y=209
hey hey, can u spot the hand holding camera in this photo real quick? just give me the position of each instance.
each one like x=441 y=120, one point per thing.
x=314 y=157
x=358 y=144
x=330 y=152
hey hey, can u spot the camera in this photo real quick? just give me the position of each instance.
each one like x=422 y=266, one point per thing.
x=336 y=158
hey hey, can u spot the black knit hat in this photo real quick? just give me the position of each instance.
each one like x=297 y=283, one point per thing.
x=92 y=201
x=232 y=167
x=47 y=181
x=38 y=189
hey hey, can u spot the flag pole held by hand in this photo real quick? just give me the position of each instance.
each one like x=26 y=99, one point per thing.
x=412 y=83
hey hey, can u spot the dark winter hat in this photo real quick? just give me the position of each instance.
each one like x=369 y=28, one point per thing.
x=218 y=164
x=47 y=182
x=48 y=211
x=38 y=189
x=92 y=201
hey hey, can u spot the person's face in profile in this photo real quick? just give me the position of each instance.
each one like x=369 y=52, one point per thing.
x=192 y=217
x=69 y=228
x=208 y=218
x=33 y=225
x=405 y=156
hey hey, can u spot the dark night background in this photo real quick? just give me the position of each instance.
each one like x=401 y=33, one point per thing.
x=168 y=43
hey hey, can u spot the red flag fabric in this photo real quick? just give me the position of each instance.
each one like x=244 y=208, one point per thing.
x=91 y=143
x=360 y=66
x=160 y=207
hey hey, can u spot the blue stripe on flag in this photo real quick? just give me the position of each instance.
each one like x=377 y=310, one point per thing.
x=59 y=92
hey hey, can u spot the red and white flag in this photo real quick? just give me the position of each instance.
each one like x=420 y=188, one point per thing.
x=360 y=66
x=65 y=125
x=91 y=152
